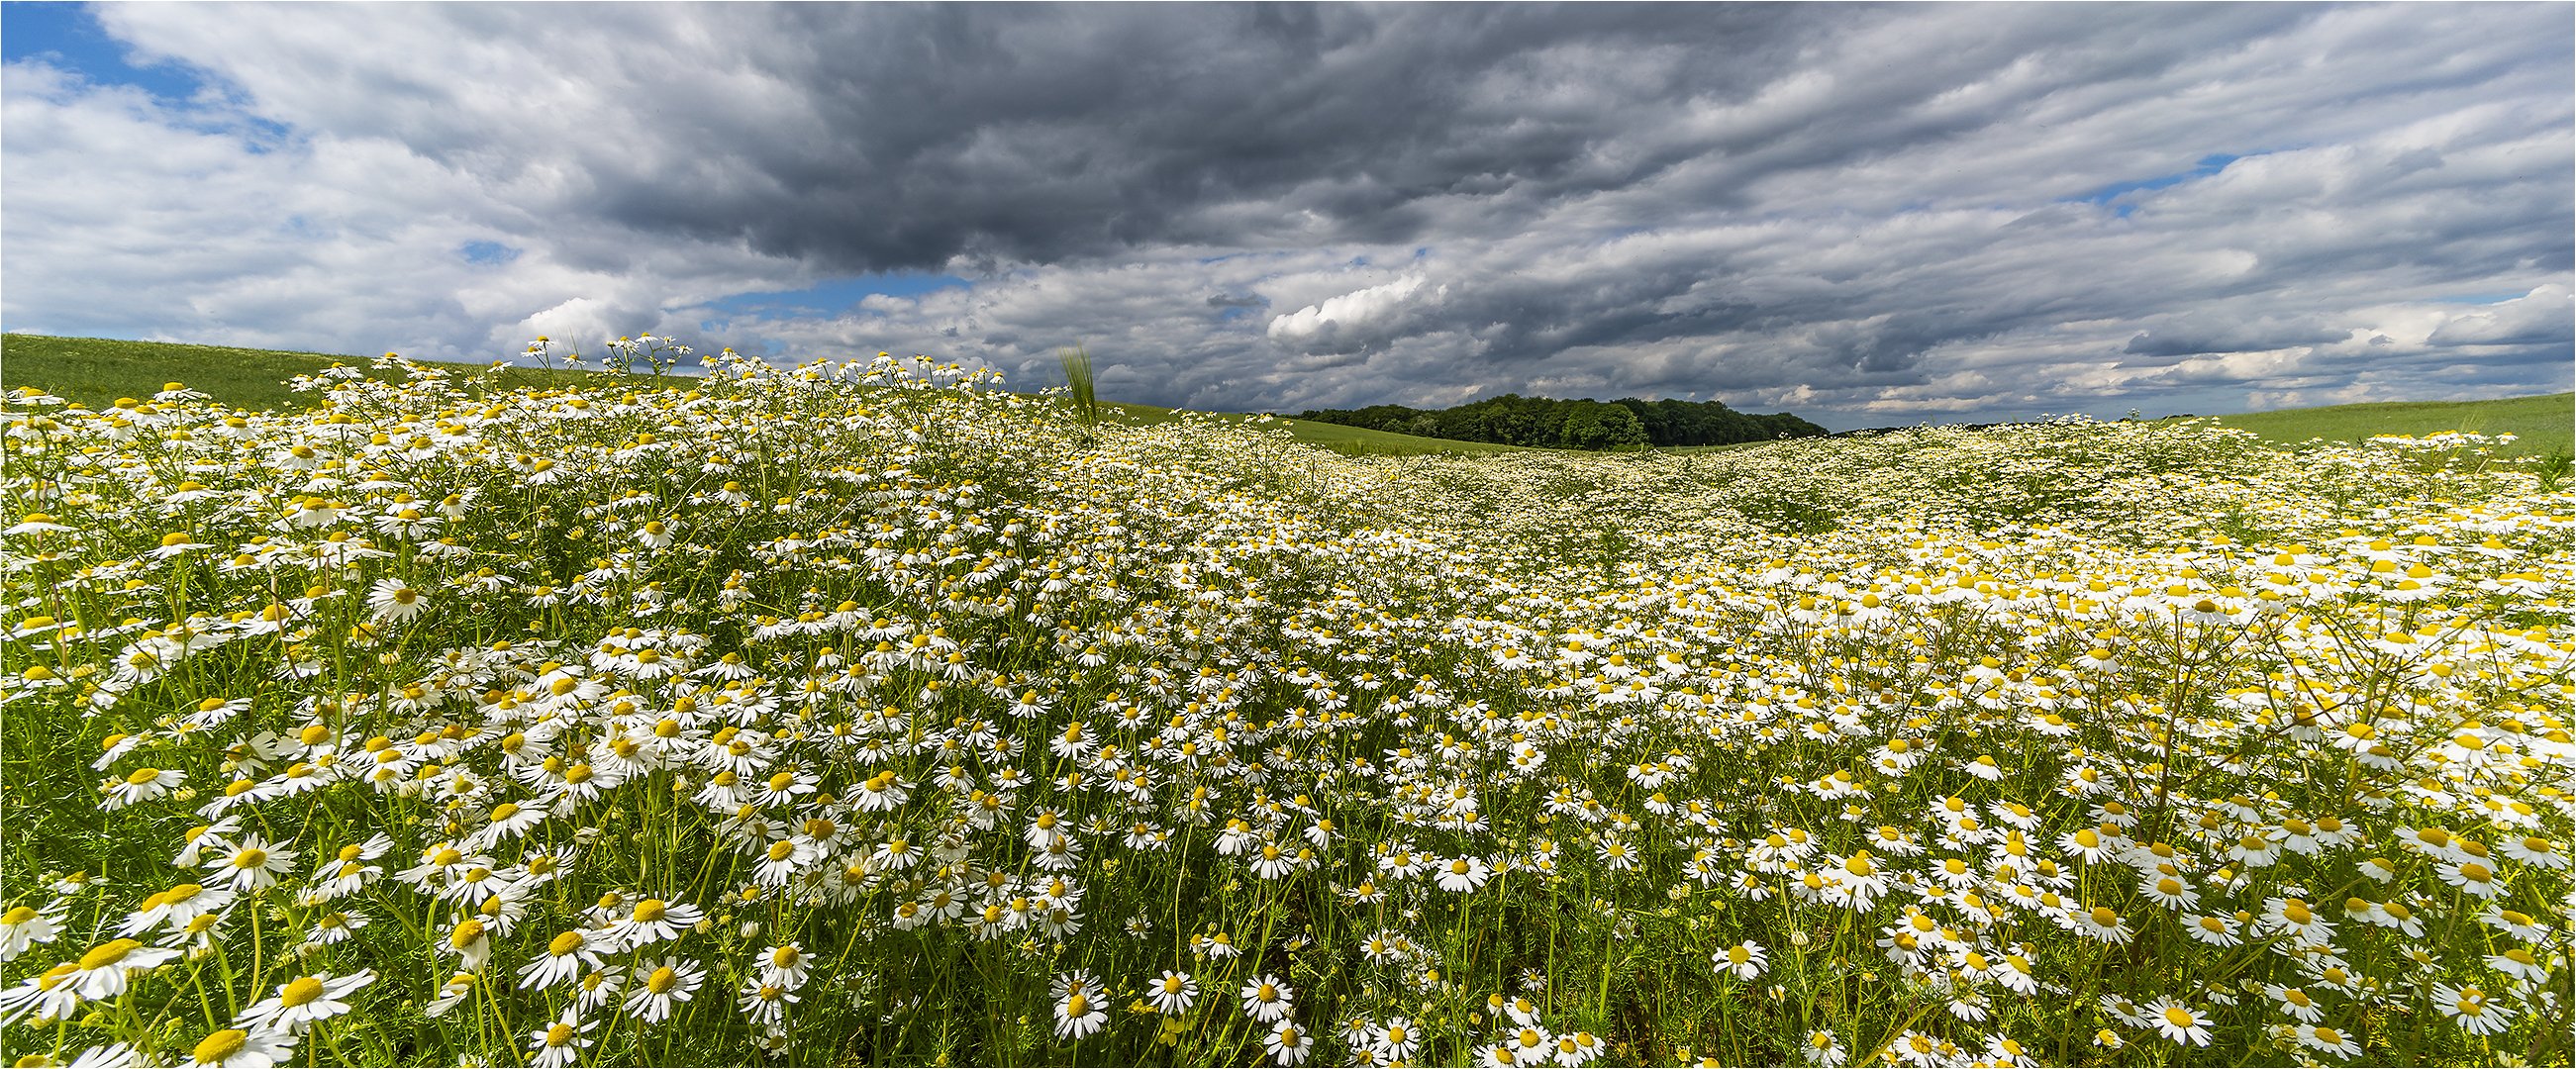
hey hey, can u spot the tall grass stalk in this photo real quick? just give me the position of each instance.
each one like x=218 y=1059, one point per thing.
x=1080 y=384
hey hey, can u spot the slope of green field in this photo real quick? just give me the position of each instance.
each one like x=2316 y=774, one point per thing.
x=2540 y=425
x=1354 y=441
x=98 y=371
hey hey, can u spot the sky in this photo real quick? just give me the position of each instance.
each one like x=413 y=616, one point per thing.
x=1867 y=215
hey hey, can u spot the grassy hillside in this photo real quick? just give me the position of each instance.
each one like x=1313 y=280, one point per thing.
x=1355 y=441
x=2540 y=424
x=98 y=371
x=1622 y=701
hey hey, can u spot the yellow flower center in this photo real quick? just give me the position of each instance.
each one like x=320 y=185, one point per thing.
x=301 y=990
x=106 y=954
x=213 y=1049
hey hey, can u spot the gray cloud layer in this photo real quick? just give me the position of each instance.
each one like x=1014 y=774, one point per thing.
x=1866 y=214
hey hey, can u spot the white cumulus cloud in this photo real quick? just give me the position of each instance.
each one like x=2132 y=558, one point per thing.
x=1356 y=313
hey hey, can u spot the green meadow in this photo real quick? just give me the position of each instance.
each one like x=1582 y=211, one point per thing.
x=97 y=371
x=870 y=714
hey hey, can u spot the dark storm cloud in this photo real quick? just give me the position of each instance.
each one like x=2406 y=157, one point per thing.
x=1861 y=210
x=912 y=135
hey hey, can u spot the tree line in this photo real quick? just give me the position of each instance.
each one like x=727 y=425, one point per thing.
x=1627 y=423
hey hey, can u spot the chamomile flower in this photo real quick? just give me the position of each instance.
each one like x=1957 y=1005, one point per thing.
x=1267 y=998
x=1395 y=1040
x=1288 y=1043
x=395 y=601
x=1079 y=1006
x=1463 y=875
x=24 y=927
x=2469 y=1007
x=2327 y=1040
x=787 y=965
x=565 y=957
x=2294 y=1002
x=653 y=920
x=45 y=997
x=302 y=1001
x=1744 y=960
x=2178 y=1022
x=1573 y=1050
x=765 y=1002
x=660 y=988
x=101 y=974
x=251 y=864
x=1174 y=993
x=1824 y=1048
x=2519 y=963
x=560 y=1044
x=242 y=1048
x=138 y=786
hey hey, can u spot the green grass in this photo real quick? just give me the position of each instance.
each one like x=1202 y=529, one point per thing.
x=1353 y=441
x=98 y=371
x=2540 y=424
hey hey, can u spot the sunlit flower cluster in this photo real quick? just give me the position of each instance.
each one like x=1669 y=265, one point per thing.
x=868 y=712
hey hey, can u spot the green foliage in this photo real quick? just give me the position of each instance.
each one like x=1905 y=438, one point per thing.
x=1622 y=425
x=2552 y=469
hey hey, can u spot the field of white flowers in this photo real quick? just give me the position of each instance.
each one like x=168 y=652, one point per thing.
x=868 y=713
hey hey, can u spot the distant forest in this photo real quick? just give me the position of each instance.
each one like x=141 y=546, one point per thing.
x=1627 y=423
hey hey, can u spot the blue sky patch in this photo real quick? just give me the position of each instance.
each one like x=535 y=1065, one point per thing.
x=2482 y=298
x=2209 y=165
x=69 y=37
x=486 y=253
